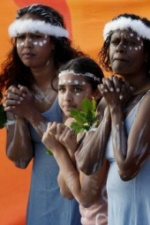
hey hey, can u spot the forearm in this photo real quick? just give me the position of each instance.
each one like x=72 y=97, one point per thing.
x=37 y=121
x=19 y=146
x=64 y=190
x=85 y=189
x=119 y=136
x=90 y=156
x=126 y=163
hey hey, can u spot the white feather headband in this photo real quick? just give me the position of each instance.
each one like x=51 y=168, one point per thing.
x=123 y=23
x=21 y=26
x=91 y=75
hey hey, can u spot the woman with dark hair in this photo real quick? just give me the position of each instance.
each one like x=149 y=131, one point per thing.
x=125 y=52
x=40 y=46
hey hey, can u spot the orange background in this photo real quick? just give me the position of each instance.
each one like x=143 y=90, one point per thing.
x=85 y=20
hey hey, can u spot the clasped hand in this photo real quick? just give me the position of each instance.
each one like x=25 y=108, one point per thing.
x=18 y=100
x=115 y=90
x=58 y=134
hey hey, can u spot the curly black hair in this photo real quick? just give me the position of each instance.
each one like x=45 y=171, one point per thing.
x=104 y=52
x=14 y=72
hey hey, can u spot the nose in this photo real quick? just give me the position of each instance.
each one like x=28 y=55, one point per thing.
x=68 y=96
x=28 y=42
x=121 y=47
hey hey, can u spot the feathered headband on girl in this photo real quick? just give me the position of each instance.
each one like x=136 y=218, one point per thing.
x=72 y=72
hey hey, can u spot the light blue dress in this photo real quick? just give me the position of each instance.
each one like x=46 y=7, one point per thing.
x=128 y=201
x=46 y=206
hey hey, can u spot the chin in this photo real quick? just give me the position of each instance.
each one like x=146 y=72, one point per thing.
x=119 y=71
x=67 y=114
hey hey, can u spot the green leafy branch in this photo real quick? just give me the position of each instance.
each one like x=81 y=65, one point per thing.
x=86 y=117
x=49 y=152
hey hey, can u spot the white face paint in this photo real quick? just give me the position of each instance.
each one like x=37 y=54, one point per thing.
x=31 y=39
x=139 y=45
x=119 y=140
x=138 y=38
x=42 y=127
x=71 y=82
x=131 y=34
x=46 y=96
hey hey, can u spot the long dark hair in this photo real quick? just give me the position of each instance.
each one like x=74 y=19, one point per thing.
x=14 y=72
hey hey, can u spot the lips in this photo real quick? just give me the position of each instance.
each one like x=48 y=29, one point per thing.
x=28 y=55
x=120 y=59
x=68 y=107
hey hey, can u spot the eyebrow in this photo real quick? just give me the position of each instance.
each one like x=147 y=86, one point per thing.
x=72 y=85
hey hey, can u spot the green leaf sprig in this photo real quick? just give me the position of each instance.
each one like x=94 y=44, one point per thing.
x=3 y=117
x=84 y=118
x=48 y=151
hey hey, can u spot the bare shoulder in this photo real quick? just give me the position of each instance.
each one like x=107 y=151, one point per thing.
x=144 y=106
x=145 y=100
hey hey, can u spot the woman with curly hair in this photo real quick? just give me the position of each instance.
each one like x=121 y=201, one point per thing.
x=40 y=46
x=126 y=53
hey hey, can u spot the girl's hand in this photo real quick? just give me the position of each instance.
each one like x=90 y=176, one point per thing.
x=49 y=139
x=68 y=138
x=64 y=136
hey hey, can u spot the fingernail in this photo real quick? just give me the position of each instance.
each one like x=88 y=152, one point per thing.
x=111 y=89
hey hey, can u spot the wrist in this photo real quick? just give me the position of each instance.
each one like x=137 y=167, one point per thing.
x=115 y=109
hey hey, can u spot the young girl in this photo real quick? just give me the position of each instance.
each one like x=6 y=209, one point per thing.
x=78 y=80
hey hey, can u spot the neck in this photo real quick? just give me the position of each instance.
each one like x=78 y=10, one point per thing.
x=139 y=82
x=43 y=74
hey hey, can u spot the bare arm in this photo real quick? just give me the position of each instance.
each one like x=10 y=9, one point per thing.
x=64 y=190
x=130 y=150
x=19 y=146
x=90 y=153
x=85 y=189
x=20 y=107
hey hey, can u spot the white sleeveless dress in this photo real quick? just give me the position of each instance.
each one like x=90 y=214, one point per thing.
x=128 y=201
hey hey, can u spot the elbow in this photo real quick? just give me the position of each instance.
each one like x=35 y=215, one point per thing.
x=66 y=195
x=22 y=164
x=84 y=167
x=127 y=175
x=20 y=160
x=87 y=170
x=87 y=200
x=86 y=203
